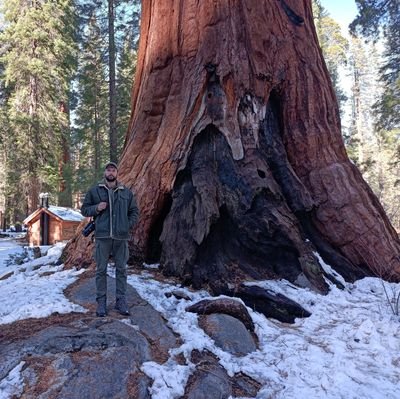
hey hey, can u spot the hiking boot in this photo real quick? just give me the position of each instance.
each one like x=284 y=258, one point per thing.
x=101 y=310
x=122 y=307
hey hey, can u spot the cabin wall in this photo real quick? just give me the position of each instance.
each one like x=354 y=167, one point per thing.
x=58 y=231
x=33 y=233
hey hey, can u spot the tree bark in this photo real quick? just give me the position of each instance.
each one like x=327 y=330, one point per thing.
x=112 y=87
x=235 y=153
x=32 y=183
x=64 y=172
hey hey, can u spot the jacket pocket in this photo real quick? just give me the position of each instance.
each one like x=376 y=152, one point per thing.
x=102 y=224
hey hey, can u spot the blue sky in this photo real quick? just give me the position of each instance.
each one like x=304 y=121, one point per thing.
x=342 y=11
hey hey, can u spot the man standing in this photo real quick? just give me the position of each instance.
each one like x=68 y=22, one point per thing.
x=115 y=211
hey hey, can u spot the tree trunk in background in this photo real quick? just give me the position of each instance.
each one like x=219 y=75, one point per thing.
x=64 y=168
x=32 y=191
x=96 y=134
x=32 y=184
x=235 y=153
x=112 y=87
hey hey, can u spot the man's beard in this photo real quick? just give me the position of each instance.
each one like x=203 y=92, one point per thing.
x=110 y=178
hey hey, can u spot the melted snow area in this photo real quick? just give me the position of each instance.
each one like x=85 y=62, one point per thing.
x=348 y=348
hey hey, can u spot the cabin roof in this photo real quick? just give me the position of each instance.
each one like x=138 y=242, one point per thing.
x=58 y=212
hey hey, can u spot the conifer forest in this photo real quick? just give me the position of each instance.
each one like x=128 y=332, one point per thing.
x=67 y=69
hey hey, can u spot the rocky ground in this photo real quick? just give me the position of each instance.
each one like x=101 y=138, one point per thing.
x=79 y=355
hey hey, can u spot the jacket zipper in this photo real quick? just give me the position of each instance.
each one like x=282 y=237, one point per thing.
x=111 y=205
x=111 y=213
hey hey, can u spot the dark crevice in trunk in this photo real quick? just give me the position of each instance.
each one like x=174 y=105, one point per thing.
x=154 y=248
x=244 y=250
x=274 y=151
x=295 y=18
x=229 y=221
x=296 y=194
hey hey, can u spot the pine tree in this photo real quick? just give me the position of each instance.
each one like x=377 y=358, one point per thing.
x=364 y=67
x=121 y=41
x=374 y=150
x=90 y=136
x=382 y=18
x=112 y=80
x=126 y=72
x=334 y=46
x=37 y=48
x=4 y=128
x=117 y=21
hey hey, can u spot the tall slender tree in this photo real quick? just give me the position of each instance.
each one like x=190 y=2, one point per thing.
x=334 y=47
x=365 y=91
x=118 y=20
x=381 y=18
x=112 y=81
x=37 y=48
x=3 y=136
x=90 y=135
x=125 y=80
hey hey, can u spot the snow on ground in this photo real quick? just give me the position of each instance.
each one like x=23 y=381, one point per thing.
x=8 y=246
x=348 y=348
x=35 y=288
x=11 y=386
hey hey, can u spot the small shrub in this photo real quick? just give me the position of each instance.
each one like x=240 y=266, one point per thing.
x=392 y=296
x=26 y=255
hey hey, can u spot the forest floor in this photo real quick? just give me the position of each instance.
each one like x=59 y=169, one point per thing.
x=52 y=345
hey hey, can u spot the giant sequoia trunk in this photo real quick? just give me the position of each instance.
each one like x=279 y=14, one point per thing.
x=235 y=153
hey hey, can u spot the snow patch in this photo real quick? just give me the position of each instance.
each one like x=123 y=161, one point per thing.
x=12 y=385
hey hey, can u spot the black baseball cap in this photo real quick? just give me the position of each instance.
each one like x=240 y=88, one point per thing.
x=113 y=164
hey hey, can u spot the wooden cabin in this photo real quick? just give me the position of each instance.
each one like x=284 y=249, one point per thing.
x=49 y=225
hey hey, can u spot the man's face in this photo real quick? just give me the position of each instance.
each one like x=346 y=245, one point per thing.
x=111 y=173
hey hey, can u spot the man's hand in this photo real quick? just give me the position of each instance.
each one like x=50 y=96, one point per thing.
x=101 y=206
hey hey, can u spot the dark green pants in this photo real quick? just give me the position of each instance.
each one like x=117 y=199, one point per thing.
x=119 y=250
